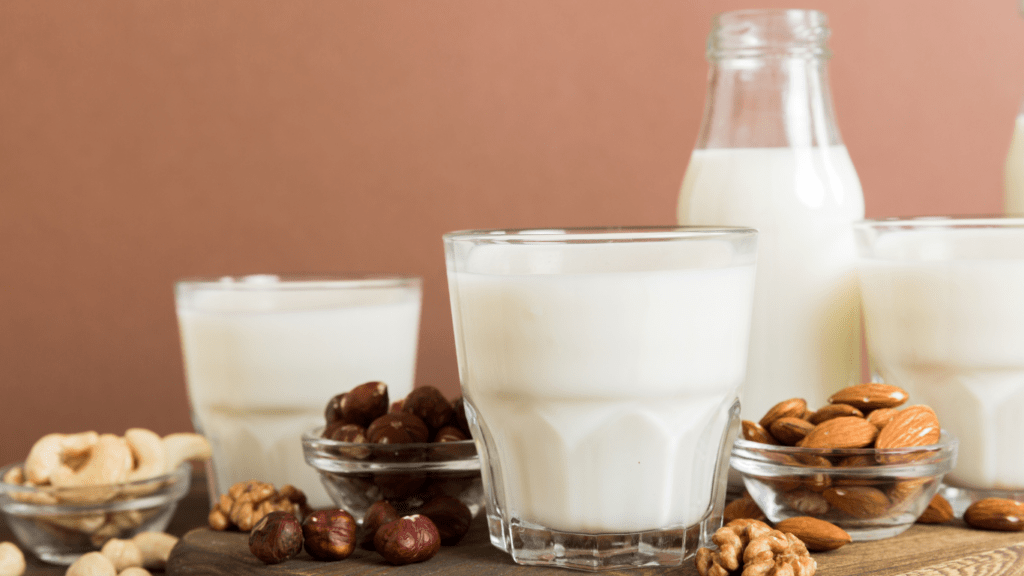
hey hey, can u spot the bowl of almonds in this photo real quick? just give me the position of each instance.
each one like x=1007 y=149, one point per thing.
x=412 y=454
x=864 y=462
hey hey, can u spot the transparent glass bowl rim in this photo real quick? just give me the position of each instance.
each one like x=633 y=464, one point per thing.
x=298 y=281
x=598 y=234
x=755 y=452
x=911 y=223
x=170 y=487
x=320 y=454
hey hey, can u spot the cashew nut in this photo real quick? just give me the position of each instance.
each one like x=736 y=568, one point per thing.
x=50 y=452
x=110 y=462
x=14 y=475
x=155 y=547
x=183 y=446
x=122 y=553
x=83 y=523
x=12 y=561
x=134 y=571
x=148 y=452
x=91 y=564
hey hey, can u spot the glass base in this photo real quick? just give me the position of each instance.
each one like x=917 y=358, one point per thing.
x=960 y=498
x=537 y=546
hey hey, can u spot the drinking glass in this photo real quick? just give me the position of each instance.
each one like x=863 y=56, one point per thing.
x=601 y=369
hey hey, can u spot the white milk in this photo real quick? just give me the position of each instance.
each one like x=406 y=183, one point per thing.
x=258 y=379
x=950 y=330
x=805 y=339
x=604 y=396
x=1013 y=176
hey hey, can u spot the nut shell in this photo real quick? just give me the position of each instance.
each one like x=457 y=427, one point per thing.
x=378 y=514
x=276 y=537
x=407 y=540
x=397 y=428
x=365 y=403
x=429 y=405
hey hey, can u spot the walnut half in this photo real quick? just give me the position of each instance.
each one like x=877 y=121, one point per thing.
x=759 y=549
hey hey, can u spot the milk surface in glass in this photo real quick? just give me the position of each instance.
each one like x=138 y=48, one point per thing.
x=944 y=315
x=805 y=339
x=603 y=379
x=262 y=358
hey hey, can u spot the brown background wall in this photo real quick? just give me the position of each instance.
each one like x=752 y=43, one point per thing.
x=149 y=140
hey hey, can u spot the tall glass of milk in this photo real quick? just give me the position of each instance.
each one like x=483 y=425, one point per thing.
x=769 y=156
x=944 y=317
x=263 y=354
x=601 y=369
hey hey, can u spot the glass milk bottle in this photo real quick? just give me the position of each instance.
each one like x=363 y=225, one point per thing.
x=769 y=156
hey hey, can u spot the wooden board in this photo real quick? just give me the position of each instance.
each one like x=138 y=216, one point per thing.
x=921 y=551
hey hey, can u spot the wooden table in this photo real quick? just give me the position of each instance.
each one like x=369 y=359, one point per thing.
x=920 y=551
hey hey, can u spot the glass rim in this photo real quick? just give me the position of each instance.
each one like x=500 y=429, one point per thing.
x=296 y=281
x=598 y=234
x=810 y=41
x=908 y=223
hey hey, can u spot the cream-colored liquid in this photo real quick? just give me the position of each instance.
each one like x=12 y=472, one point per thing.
x=949 y=328
x=258 y=379
x=603 y=398
x=1013 y=175
x=805 y=340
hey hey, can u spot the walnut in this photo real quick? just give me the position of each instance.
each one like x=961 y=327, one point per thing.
x=246 y=503
x=759 y=549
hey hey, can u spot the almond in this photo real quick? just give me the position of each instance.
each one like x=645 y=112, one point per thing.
x=862 y=502
x=870 y=396
x=881 y=417
x=756 y=433
x=742 y=508
x=817 y=535
x=842 y=432
x=794 y=407
x=939 y=511
x=789 y=430
x=913 y=426
x=996 y=514
x=806 y=501
x=833 y=411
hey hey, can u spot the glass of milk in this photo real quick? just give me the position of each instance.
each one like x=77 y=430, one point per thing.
x=944 y=315
x=264 y=353
x=601 y=370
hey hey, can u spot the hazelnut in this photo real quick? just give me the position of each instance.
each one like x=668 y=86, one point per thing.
x=329 y=534
x=407 y=540
x=398 y=428
x=344 y=432
x=364 y=403
x=276 y=538
x=332 y=412
x=429 y=405
x=451 y=517
x=449 y=434
x=378 y=514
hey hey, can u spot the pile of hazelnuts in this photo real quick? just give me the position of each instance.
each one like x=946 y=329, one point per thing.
x=365 y=414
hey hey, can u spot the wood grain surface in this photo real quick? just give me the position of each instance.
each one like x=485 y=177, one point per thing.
x=920 y=551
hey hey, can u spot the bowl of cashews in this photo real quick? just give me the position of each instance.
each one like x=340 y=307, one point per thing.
x=74 y=492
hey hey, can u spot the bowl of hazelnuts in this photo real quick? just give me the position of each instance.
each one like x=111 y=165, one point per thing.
x=407 y=453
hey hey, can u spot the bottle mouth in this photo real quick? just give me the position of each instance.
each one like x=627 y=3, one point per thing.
x=769 y=33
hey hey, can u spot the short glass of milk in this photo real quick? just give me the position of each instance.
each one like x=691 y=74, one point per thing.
x=264 y=353
x=944 y=316
x=601 y=369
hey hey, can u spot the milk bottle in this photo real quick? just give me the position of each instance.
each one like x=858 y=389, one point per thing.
x=769 y=156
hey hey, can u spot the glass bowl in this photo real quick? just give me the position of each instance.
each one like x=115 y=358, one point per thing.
x=406 y=475
x=871 y=493
x=60 y=524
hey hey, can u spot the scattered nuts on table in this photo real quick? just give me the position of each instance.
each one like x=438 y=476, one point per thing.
x=939 y=511
x=276 y=537
x=378 y=514
x=12 y=561
x=996 y=514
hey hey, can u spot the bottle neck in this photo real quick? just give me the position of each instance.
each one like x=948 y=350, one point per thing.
x=774 y=101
